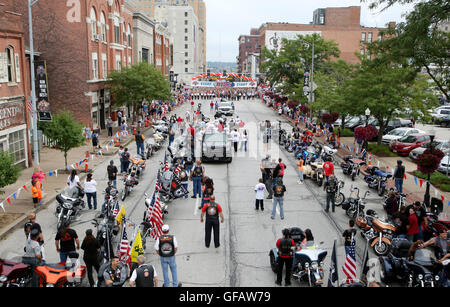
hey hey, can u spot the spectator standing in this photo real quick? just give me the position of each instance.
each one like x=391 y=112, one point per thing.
x=349 y=235
x=90 y=188
x=212 y=210
x=112 y=173
x=65 y=240
x=125 y=160
x=94 y=141
x=399 y=175
x=109 y=124
x=197 y=177
x=91 y=248
x=330 y=187
x=235 y=137
x=328 y=169
x=145 y=274
x=33 y=255
x=244 y=140
x=413 y=233
x=278 y=195
x=139 y=138
x=259 y=189
x=73 y=180
x=166 y=247
x=300 y=170
x=119 y=118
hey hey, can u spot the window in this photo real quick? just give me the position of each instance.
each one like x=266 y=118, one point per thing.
x=94 y=66
x=185 y=14
x=103 y=27
x=363 y=36
x=185 y=30
x=185 y=46
x=186 y=54
x=116 y=31
x=129 y=61
x=369 y=37
x=129 y=35
x=145 y=55
x=186 y=69
x=186 y=62
x=10 y=64
x=380 y=37
x=17 y=145
x=93 y=23
x=362 y=51
x=104 y=66
x=186 y=38
x=118 y=62
x=185 y=22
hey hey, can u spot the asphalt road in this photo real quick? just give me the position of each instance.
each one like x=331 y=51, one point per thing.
x=246 y=236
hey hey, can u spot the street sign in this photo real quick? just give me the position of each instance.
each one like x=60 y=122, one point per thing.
x=314 y=86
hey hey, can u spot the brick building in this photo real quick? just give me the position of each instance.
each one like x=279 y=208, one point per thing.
x=340 y=24
x=162 y=49
x=248 y=44
x=14 y=86
x=81 y=41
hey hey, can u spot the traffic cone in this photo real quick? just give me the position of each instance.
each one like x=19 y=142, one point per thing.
x=87 y=154
x=86 y=167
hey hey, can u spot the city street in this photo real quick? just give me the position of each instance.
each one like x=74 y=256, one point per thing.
x=246 y=236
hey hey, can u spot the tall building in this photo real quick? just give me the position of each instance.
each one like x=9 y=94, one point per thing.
x=80 y=44
x=182 y=23
x=341 y=24
x=14 y=88
x=147 y=7
x=249 y=47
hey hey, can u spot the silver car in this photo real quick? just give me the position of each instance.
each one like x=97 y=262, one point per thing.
x=225 y=108
x=216 y=147
x=442 y=145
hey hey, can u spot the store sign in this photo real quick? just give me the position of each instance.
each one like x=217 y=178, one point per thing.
x=274 y=39
x=223 y=84
x=11 y=115
x=42 y=99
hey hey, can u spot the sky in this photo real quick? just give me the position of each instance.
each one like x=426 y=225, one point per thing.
x=227 y=19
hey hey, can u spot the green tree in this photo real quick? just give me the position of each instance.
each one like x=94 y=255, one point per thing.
x=420 y=40
x=332 y=89
x=387 y=88
x=9 y=173
x=286 y=68
x=65 y=131
x=137 y=84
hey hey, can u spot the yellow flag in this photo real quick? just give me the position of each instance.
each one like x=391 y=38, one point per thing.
x=121 y=214
x=137 y=248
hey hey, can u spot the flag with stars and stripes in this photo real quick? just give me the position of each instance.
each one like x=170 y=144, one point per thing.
x=156 y=218
x=116 y=209
x=124 y=248
x=349 y=267
x=166 y=163
x=158 y=182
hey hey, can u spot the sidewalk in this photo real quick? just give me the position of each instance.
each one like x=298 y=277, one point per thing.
x=51 y=159
x=416 y=193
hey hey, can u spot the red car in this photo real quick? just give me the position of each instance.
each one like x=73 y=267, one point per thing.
x=409 y=142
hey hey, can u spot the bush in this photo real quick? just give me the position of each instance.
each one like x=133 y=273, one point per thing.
x=344 y=133
x=380 y=150
x=9 y=173
x=437 y=179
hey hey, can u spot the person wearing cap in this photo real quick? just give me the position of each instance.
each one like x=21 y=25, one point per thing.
x=166 y=247
x=91 y=247
x=399 y=175
x=33 y=255
x=145 y=275
x=212 y=210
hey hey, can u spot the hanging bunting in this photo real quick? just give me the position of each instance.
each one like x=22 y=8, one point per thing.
x=1 y=205
x=50 y=174
x=415 y=180
x=443 y=198
x=421 y=182
x=14 y=196
x=56 y=172
x=9 y=201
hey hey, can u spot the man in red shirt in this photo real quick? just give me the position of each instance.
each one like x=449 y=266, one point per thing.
x=212 y=210
x=285 y=247
x=328 y=169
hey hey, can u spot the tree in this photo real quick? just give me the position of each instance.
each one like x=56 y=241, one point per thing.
x=67 y=133
x=137 y=84
x=9 y=173
x=387 y=88
x=331 y=93
x=287 y=67
x=420 y=40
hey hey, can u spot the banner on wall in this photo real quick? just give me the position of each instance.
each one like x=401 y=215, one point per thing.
x=42 y=99
x=213 y=84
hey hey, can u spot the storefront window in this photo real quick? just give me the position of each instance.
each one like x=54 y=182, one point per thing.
x=17 y=145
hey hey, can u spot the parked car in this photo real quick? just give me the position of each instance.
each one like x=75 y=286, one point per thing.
x=338 y=122
x=439 y=114
x=397 y=133
x=392 y=124
x=355 y=122
x=216 y=147
x=405 y=144
x=224 y=108
x=443 y=145
x=444 y=166
x=445 y=121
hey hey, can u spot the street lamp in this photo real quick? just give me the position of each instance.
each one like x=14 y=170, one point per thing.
x=33 y=85
x=367 y=116
x=426 y=200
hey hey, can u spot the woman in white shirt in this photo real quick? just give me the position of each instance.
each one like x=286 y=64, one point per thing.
x=73 y=180
x=235 y=136
x=90 y=188
x=244 y=140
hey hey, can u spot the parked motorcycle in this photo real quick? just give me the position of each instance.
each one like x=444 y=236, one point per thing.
x=69 y=274
x=339 y=197
x=14 y=274
x=307 y=263
x=130 y=180
x=149 y=148
x=351 y=166
x=106 y=230
x=423 y=270
x=70 y=204
x=328 y=154
x=354 y=207
x=138 y=162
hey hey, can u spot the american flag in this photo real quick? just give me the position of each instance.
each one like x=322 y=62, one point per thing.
x=30 y=106
x=166 y=163
x=158 y=182
x=155 y=215
x=349 y=267
x=124 y=248
x=116 y=209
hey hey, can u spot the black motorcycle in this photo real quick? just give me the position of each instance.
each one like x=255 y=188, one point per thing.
x=354 y=207
x=70 y=204
x=422 y=269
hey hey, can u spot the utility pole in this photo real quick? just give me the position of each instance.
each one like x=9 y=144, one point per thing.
x=33 y=83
